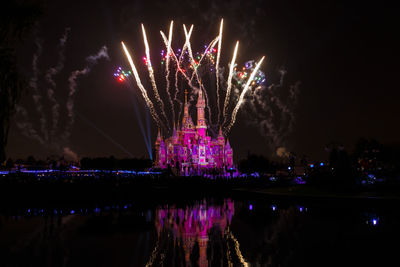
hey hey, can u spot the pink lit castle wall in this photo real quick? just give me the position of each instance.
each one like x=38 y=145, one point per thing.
x=190 y=150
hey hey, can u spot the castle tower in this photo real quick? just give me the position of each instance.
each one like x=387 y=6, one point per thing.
x=201 y=122
x=228 y=155
x=162 y=155
x=157 y=148
x=202 y=152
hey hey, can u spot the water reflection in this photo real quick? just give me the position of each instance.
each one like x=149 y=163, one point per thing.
x=198 y=233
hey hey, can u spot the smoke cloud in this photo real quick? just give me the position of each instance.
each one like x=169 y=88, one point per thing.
x=70 y=155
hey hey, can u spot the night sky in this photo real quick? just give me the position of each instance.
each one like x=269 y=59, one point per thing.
x=344 y=54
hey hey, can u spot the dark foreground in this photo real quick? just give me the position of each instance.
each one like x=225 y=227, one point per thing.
x=178 y=222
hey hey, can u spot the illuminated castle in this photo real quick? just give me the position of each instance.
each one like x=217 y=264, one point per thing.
x=190 y=150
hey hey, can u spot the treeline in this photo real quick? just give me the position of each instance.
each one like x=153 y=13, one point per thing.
x=370 y=162
x=111 y=163
x=257 y=163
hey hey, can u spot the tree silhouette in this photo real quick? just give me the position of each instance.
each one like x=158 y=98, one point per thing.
x=16 y=19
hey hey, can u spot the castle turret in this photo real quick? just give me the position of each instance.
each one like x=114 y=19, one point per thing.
x=201 y=122
x=174 y=135
x=157 y=148
x=228 y=155
x=162 y=155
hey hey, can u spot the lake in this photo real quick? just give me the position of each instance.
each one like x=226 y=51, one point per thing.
x=237 y=231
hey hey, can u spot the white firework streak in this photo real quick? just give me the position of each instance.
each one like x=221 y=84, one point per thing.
x=217 y=66
x=49 y=78
x=179 y=69
x=167 y=69
x=240 y=101
x=178 y=63
x=36 y=95
x=184 y=48
x=72 y=86
x=151 y=75
x=229 y=86
x=141 y=87
x=189 y=48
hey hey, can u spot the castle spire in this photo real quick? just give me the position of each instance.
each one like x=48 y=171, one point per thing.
x=174 y=131
x=185 y=110
x=201 y=121
x=186 y=92
x=159 y=138
x=220 y=132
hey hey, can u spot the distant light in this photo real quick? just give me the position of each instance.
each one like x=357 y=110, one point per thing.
x=321 y=164
x=250 y=207
x=72 y=212
x=312 y=165
x=289 y=168
x=273 y=207
x=374 y=221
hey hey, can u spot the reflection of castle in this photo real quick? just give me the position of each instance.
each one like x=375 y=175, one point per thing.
x=189 y=229
x=190 y=150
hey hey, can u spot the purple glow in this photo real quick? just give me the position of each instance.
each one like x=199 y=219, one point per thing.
x=250 y=207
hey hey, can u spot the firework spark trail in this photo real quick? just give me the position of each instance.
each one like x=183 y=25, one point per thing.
x=142 y=89
x=229 y=86
x=36 y=95
x=236 y=109
x=49 y=78
x=92 y=60
x=184 y=48
x=209 y=47
x=179 y=70
x=178 y=63
x=147 y=119
x=167 y=69
x=189 y=48
x=217 y=66
x=151 y=75
x=91 y=124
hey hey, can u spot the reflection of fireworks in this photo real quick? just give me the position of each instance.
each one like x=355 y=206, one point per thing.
x=198 y=70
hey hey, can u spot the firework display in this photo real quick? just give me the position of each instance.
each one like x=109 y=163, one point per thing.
x=195 y=69
x=121 y=74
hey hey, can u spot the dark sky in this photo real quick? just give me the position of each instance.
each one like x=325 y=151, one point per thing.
x=344 y=54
